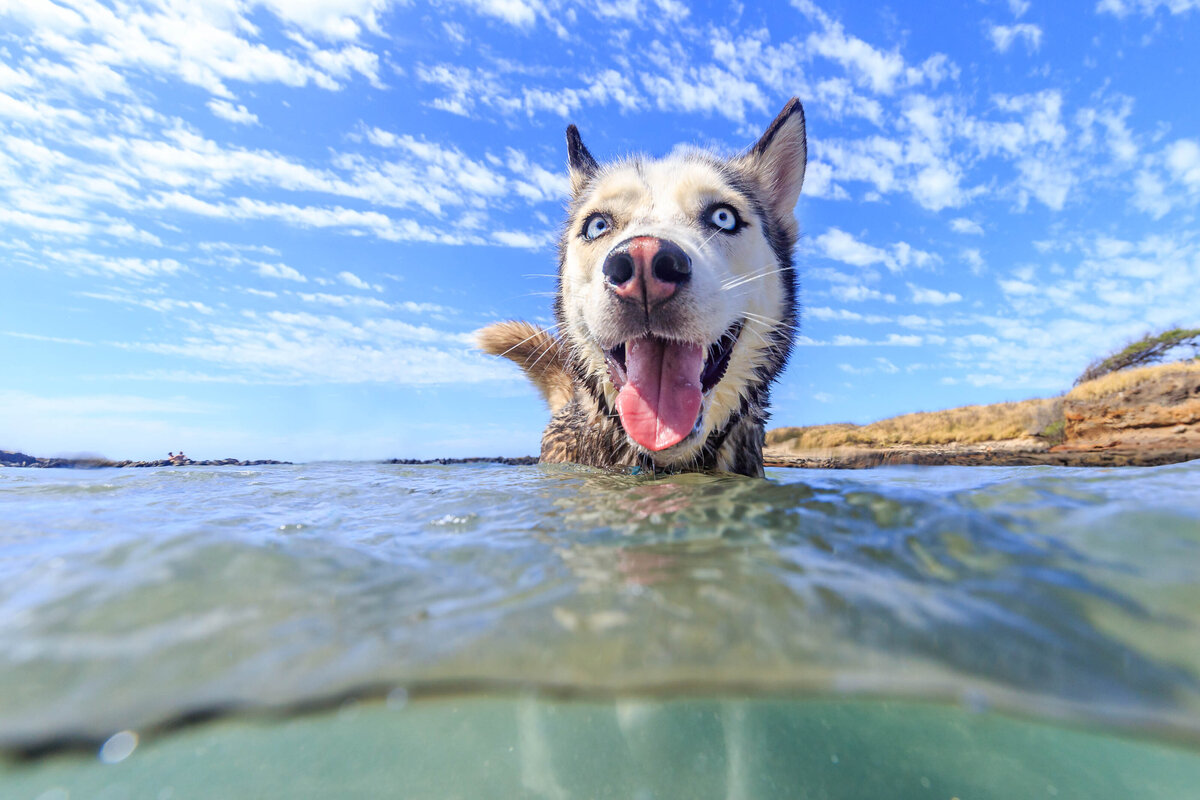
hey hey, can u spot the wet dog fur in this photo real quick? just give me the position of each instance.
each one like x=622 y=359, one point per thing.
x=662 y=263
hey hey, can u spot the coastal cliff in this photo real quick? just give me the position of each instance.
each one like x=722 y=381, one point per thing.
x=1139 y=417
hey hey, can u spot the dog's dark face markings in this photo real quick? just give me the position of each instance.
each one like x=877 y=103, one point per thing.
x=677 y=294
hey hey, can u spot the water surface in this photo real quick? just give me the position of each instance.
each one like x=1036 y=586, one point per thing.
x=573 y=633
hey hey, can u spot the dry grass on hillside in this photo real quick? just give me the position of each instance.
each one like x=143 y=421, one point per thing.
x=1115 y=382
x=966 y=425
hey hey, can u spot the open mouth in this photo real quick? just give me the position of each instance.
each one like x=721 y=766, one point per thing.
x=661 y=385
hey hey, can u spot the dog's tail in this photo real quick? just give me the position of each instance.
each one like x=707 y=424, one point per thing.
x=542 y=355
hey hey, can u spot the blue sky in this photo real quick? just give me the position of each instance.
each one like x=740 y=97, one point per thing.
x=267 y=229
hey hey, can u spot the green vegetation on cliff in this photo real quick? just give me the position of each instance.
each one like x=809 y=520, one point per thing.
x=1150 y=349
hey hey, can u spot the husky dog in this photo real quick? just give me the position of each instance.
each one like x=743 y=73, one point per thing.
x=676 y=306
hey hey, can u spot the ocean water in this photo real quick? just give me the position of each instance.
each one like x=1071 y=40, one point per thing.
x=369 y=630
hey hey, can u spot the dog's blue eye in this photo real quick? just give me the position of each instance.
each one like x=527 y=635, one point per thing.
x=723 y=217
x=597 y=225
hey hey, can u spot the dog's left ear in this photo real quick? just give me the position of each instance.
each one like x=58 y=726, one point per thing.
x=779 y=157
x=581 y=163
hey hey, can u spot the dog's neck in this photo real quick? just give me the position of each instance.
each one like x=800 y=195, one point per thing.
x=585 y=431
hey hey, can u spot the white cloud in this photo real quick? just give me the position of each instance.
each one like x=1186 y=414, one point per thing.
x=1183 y=160
x=932 y=296
x=882 y=72
x=1148 y=7
x=853 y=292
x=1112 y=119
x=37 y=222
x=304 y=348
x=1018 y=7
x=937 y=187
x=350 y=279
x=818 y=182
x=160 y=304
x=892 y=340
x=919 y=322
x=1003 y=36
x=520 y=13
x=974 y=261
x=424 y=308
x=825 y=313
x=841 y=246
x=838 y=95
x=228 y=111
x=1018 y=287
x=875 y=69
x=1043 y=118
x=1048 y=182
x=534 y=182
x=522 y=240
x=204 y=44
x=1150 y=195
x=345 y=62
x=77 y=260
x=279 y=271
x=708 y=88
x=344 y=301
x=331 y=19
x=966 y=226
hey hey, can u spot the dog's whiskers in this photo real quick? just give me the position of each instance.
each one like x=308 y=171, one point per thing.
x=761 y=338
x=711 y=236
x=765 y=269
x=771 y=324
x=733 y=283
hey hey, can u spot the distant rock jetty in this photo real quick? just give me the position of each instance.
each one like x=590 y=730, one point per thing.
x=519 y=461
x=9 y=458
x=1138 y=417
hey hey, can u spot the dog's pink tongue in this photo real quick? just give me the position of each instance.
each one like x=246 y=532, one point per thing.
x=659 y=402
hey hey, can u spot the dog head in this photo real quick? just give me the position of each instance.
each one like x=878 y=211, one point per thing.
x=677 y=293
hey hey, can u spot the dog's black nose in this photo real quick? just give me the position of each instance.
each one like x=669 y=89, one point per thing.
x=618 y=267
x=646 y=269
x=670 y=264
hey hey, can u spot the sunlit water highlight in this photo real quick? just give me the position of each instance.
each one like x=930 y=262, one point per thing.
x=555 y=632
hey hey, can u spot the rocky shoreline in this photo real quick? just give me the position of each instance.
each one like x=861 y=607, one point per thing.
x=932 y=455
x=9 y=458
x=1142 y=418
x=517 y=461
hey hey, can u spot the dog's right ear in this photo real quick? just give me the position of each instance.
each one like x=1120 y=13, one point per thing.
x=778 y=159
x=582 y=165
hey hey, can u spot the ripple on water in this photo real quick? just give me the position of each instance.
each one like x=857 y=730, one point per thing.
x=128 y=598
